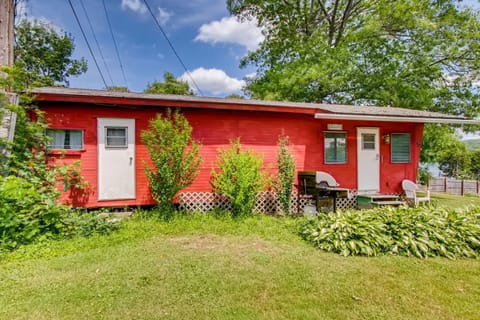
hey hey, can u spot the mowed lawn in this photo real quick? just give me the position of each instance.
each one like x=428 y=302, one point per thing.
x=204 y=267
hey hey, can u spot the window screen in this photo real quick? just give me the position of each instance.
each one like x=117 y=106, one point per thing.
x=400 y=144
x=116 y=137
x=335 y=147
x=65 y=139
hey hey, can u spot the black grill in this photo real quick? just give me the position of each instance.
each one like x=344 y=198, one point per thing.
x=322 y=188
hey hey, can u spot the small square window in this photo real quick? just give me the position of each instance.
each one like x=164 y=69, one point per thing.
x=65 y=139
x=368 y=141
x=116 y=137
x=335 y=144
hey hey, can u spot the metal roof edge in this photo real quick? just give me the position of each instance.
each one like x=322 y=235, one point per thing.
x=445 y=120
x=320 y=110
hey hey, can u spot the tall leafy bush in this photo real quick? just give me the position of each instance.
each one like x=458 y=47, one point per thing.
x=175 y=156
x=26 y=214
x=239 y=177
x=286 y=173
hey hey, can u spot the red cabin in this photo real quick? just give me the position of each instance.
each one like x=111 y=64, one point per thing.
x=368 y=149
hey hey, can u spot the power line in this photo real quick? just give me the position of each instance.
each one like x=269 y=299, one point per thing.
x=171 y=47
x=114 y=43
x=96 y=41
x=88 y=44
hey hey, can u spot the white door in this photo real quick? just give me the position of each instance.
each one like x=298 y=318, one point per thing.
x=368 y=160
x=116 y=159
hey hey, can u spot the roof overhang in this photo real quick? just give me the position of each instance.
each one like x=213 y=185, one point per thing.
x=446 y=120
x=318 y=110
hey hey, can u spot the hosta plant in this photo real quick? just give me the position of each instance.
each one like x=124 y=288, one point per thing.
x=420 y=232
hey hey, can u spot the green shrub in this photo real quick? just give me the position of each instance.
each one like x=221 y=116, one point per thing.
x=348 y=233
x=84 y=223
x=239 y=177
x=26 y=214
x=420 y=232
x=175 y=157
x=286 y=173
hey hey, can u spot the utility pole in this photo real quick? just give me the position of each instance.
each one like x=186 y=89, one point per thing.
x=7 y=127
x=6 y=32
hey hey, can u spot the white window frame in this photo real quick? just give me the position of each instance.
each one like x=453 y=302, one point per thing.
x=124 y=146
x=52 y=146
x=392 y=139
x=325 y=161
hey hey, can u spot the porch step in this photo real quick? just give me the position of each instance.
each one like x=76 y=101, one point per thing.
x=368 y=201
x=387 y=203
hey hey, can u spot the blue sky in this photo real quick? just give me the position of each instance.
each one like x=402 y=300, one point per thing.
x=209 y=41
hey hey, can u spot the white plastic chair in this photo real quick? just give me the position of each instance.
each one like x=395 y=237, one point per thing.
x=410 y=189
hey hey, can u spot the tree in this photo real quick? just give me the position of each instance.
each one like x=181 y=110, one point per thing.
x=117 y=89
x=174 y=154
x=234 y=96
x=42 y=56
x=455 y=161
x=475 y=164
x=414 y=54
x=169 y=86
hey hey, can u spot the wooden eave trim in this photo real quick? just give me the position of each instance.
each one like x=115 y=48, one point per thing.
x=166 y=103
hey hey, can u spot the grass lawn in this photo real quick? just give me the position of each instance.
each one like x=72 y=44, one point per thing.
x=455 y=202
x=202 y=267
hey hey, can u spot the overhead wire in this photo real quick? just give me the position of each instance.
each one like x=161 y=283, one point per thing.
x=114 y=43
x=96 y=41
x=88 y=43
x=172 y=47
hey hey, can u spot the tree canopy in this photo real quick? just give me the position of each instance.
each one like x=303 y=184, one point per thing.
x=415 y=54
x=42 y=56
x=117 y=89
x=170 y=85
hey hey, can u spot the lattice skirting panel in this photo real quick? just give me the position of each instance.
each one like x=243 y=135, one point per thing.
x=267 y=202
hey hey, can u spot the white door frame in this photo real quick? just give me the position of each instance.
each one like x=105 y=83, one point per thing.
x=368 y=160
x=116 y=163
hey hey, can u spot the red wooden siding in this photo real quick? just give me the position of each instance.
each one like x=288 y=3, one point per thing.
x=214 y=128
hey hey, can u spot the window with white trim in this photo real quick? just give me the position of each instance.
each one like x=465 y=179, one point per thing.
x=65 y=139
x=400 y=147
x=335 y=144
x=116 y=137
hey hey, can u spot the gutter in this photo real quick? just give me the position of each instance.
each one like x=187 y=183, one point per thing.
x=334 y=116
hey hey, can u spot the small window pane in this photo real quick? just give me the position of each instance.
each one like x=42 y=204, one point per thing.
x=368 y=141
x=65 y=139
x=335 y=147
x=400 y=147
x=116 y=137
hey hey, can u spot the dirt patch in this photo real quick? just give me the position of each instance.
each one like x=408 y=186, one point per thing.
x=222 y=243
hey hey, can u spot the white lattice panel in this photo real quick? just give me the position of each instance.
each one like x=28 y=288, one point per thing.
x=267 y=202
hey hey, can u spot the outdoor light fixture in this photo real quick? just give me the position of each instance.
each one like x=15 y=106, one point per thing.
x=386 y=138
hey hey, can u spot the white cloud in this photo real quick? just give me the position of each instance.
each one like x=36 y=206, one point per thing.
x=134 y=5
x=215 y=81
x=163 y=15
x=231 y=30
x=21 y=9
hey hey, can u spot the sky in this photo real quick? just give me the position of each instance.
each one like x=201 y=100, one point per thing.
x=208 y=40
